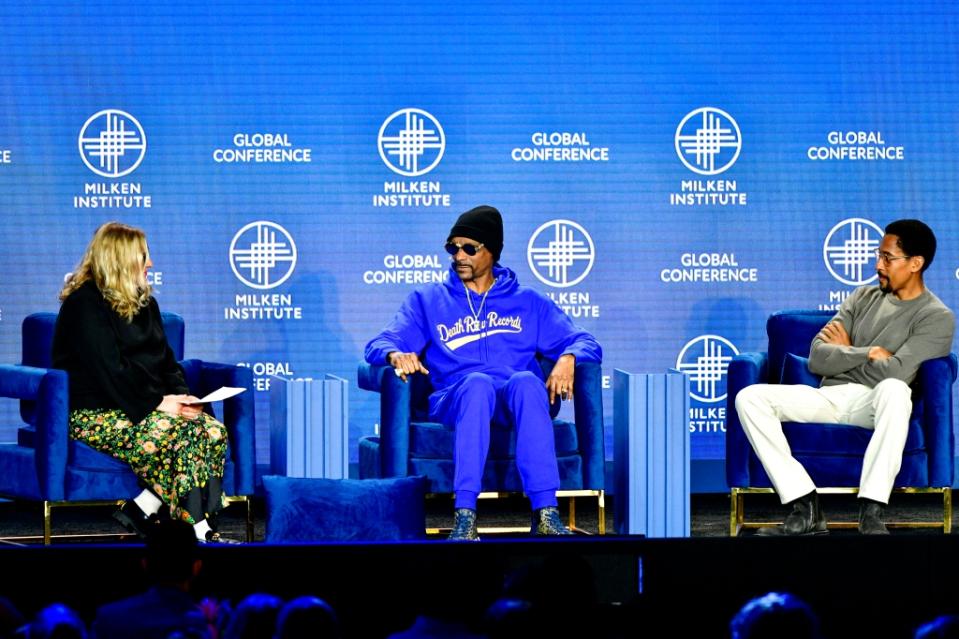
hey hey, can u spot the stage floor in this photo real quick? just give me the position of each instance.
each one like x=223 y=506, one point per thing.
x=710 y=516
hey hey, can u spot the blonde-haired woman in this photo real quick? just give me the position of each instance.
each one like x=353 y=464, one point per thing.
x=128 y=395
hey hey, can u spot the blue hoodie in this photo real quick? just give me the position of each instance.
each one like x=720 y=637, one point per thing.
x=512 y=326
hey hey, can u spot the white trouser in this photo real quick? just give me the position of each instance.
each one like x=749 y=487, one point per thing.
x=886 y=408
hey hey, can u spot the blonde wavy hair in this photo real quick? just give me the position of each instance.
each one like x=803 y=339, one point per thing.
x=115 y=261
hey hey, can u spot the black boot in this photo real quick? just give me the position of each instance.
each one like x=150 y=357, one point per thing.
x=135 y=520
x=870 y=517
x=213 y=537
x=806 y=518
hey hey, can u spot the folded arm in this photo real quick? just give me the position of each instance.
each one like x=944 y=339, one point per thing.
x=931 y=337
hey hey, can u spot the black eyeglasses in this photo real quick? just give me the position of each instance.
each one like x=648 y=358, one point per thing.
x=888 y=258
x=470 y=249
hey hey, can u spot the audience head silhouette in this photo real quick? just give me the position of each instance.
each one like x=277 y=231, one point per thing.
x=306 y=617
x=944 y=627
x=10 y=618
x=171 y=553
x=57 y=621
x=775 y=615
x=254 y=617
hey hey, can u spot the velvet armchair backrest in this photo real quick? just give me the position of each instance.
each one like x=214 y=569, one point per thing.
x=37 y=342
x=791 y=331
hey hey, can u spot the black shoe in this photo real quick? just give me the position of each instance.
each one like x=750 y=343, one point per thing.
x=806 y=518
x=213 y=537
x=134 y=519
x=870 y=518
x=464 y=525
x=546 y=521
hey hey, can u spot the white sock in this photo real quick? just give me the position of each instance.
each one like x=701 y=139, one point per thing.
x=148 y=502
x=201 y=528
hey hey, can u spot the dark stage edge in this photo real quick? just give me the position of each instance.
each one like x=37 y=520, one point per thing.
x=860 y=586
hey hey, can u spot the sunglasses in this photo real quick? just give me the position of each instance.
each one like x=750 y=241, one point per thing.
x=470 y=249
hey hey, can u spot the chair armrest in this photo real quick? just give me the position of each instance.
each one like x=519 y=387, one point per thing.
x=238 y=415
x=588 y=411
x=934 y=386
x=395 y=416
x=369 y=376
x=49 y=389
x=744 y=370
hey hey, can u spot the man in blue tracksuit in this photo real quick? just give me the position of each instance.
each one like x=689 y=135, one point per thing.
x=479 y=333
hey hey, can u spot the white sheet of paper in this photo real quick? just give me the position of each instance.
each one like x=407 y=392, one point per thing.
x=224 y=392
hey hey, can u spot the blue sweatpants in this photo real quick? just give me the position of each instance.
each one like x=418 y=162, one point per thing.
x=519 y=402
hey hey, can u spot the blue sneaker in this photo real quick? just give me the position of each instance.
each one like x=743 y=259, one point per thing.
x=546 y=521
x=464 y=525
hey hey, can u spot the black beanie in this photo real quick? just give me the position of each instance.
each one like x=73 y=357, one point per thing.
x=483 y=224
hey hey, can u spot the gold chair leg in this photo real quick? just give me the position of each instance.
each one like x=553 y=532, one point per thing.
x=601 y=511
x=249 y=518
x=572 y=513
x=47 y=525
x=247 y=503
x=735 y=511
x=947 y=510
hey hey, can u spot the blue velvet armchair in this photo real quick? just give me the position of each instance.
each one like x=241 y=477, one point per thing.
x=410 y=444
x=832 y=453
x=44 y=464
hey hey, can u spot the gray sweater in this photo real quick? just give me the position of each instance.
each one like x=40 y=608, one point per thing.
x=913 y=331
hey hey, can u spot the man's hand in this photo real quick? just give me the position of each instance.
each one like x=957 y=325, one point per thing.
x=835 y=333
x=560 y=381
x=406 y=364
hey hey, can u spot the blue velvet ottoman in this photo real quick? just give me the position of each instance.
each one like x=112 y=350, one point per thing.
x=309 y=510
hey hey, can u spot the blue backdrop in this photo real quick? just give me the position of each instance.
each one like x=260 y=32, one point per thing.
x=670 y=173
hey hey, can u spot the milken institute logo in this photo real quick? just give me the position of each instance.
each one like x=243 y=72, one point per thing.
x=708 y=141
x=411 y=142
x=705 y=359
x=560 y=253
x=112 y=143
x=850 y=251
x=262 y=255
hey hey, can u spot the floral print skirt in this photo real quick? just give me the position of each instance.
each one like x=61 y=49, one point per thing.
x=179 y=459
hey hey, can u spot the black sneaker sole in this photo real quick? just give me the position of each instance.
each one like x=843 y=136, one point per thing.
x=777 y=531
x=124 y=520
x=128 y=524
x=220 y=541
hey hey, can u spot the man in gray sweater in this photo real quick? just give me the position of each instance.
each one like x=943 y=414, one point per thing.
x=868 y=354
